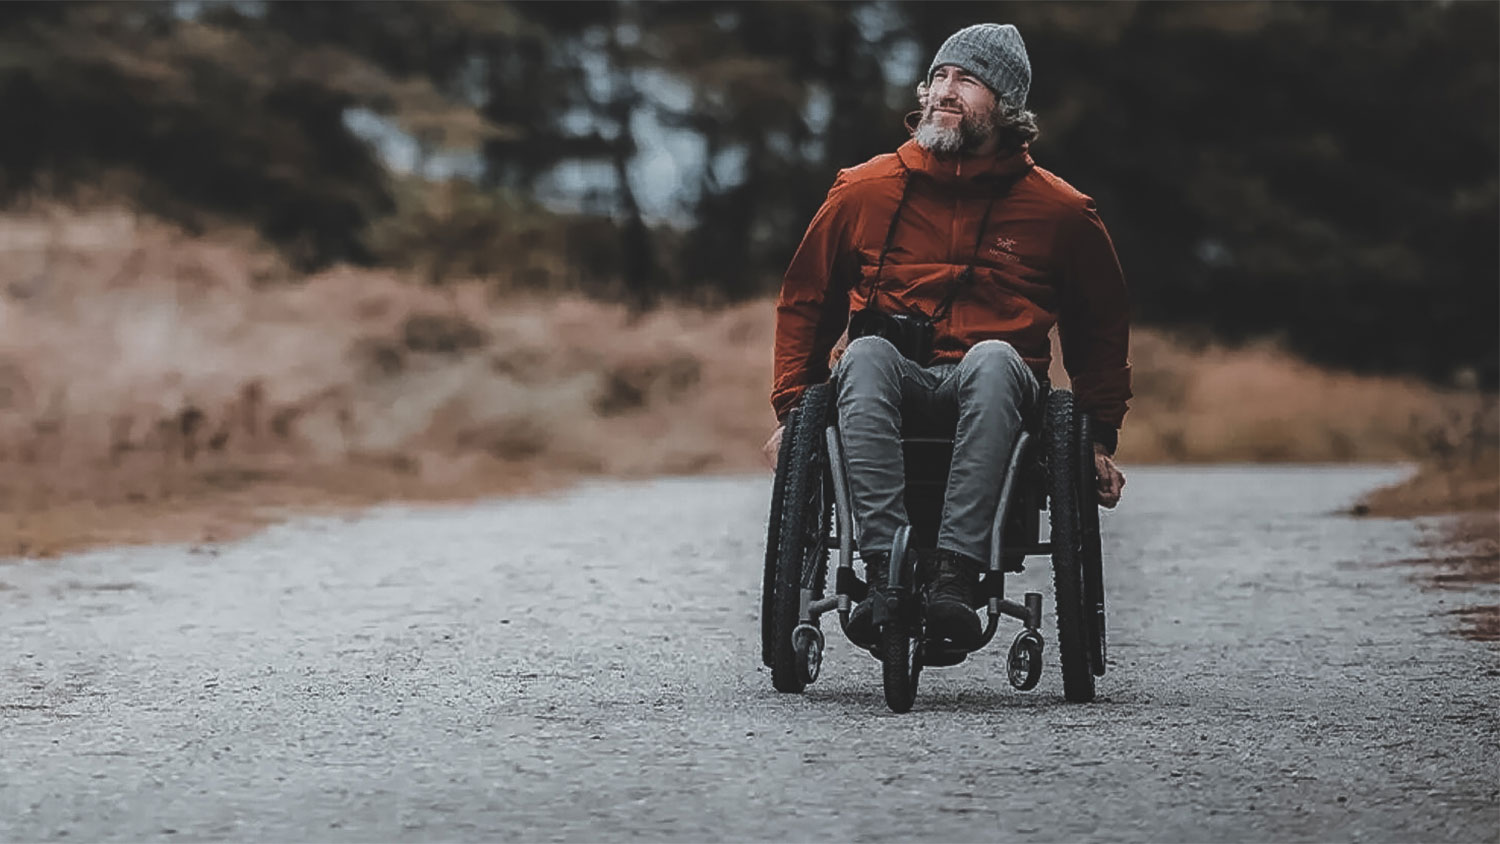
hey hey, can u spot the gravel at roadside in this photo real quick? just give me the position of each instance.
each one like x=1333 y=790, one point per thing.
x=585 y=667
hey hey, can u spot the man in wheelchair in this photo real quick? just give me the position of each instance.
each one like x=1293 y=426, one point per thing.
x=956 y=255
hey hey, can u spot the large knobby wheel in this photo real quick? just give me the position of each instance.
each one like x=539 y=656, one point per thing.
x=1089 y=546
x=1063 y=476
x=802 y=537
x=773 y=542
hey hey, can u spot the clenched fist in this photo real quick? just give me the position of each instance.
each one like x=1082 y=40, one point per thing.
x=1111 y=479
x=772 y=448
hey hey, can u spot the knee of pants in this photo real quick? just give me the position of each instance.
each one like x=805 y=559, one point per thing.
x=992 y=356
x=994 y=369
x=868 y=360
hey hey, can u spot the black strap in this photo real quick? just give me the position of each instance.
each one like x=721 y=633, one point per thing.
x=964 y=277
x=890 y=231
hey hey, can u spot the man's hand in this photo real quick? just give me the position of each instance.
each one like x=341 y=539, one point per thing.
x=1111 y=479
x=772 y=447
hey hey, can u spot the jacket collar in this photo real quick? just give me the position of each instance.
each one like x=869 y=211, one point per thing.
x=955 y=170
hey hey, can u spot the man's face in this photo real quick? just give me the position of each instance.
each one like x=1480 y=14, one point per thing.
x=959 y=112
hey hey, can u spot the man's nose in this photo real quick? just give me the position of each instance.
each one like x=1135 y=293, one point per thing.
x=944 y=90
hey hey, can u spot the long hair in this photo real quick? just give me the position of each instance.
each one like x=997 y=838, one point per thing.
x=1014 y=126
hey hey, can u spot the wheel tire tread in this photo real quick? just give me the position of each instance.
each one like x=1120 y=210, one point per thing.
x=803 y=468
x=1062 y=507
x=773 y=544
x=1092 y=562
x=898 y=680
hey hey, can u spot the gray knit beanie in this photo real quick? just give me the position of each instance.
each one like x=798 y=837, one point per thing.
x=993 y=52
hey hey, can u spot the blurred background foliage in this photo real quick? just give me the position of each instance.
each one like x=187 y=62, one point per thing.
x=1321 y=173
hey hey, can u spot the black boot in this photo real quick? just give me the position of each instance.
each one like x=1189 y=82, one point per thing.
x=861 y=630
x=950 y=601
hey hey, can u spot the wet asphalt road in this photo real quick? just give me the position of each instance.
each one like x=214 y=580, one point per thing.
x=585 y=668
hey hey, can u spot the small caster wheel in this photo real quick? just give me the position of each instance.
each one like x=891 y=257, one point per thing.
x=807 y=645
x=1024 y=667
x=901 y=666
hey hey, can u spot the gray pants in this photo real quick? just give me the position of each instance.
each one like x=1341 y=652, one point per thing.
x=991 y=390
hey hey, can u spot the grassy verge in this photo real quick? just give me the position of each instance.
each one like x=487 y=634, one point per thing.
x=159 y=386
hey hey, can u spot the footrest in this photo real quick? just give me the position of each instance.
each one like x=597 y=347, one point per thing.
x=847 y=583
x=942 y=654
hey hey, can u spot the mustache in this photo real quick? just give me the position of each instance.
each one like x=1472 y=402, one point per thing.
x=947 y=105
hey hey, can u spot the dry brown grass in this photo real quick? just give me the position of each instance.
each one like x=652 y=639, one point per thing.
x=1460 y=472
x=155 y=385
x=1436 y=489
x=1260 y=404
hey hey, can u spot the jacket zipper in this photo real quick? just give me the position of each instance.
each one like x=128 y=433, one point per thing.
x=958 y=172
x=953 y=232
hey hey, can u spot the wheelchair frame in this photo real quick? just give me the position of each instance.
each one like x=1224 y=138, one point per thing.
x=1059 y=477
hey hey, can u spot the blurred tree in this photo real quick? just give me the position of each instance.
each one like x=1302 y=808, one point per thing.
x=778 y=91
x=188 y=118
x=1325 y=172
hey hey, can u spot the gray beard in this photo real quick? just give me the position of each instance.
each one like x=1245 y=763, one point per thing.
x=939 y=141
x=968 y=135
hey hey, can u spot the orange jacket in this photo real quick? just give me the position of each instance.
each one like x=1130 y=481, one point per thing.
x=1044 y=258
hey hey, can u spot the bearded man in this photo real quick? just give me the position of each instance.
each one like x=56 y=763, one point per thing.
x=959 y=227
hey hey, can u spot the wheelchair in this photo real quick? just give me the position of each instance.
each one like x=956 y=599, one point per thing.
x=1051 y=467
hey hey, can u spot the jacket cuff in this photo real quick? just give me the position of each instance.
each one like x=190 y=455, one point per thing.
x=783 y=403
x=1106 y=436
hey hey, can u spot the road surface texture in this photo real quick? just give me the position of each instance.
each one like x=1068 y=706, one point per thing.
x=586 y=667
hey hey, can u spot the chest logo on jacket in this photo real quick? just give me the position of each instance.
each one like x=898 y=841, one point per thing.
x=1004 y=249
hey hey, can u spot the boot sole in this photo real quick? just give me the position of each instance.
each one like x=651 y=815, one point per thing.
x=945 y=621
